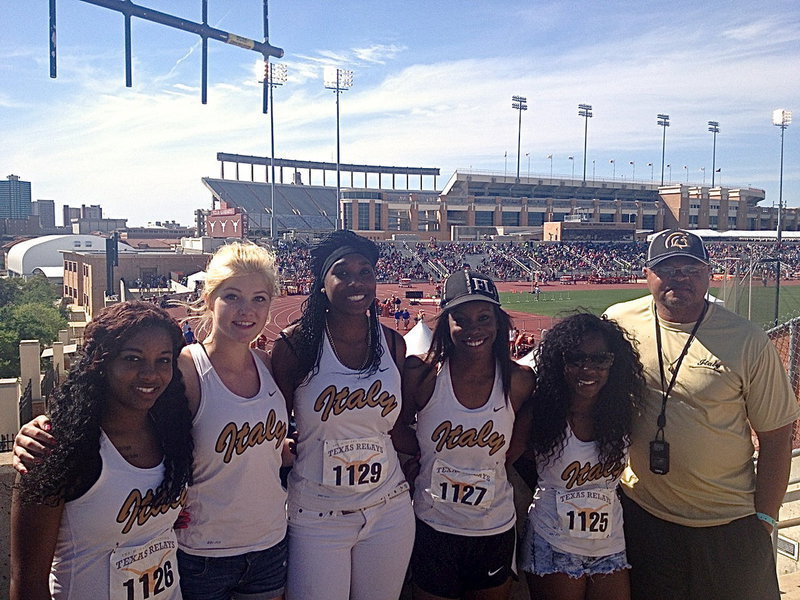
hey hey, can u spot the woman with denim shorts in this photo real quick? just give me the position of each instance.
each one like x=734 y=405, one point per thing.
x=589 y=379
x=233 y=544
x=351 y=525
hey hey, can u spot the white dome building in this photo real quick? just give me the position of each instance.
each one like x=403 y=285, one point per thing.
x=43 y=254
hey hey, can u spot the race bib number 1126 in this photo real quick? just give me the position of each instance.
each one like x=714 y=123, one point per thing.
x=147 y=571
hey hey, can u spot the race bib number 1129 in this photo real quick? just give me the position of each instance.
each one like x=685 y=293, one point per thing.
x=358 y=463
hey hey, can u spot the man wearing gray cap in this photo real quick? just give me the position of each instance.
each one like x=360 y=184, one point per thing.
x=698 y=517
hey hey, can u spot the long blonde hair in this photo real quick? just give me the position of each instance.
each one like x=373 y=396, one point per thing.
x=232 y=260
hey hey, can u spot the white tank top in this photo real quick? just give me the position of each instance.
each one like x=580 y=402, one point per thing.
x=576 y=508
x=112 y=536
x=462 y=487
x=345 y=457
x=237 y=503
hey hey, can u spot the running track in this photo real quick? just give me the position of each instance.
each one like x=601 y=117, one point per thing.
x=286 y=309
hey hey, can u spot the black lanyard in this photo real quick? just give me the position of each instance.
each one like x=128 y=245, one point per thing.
x=662 y=418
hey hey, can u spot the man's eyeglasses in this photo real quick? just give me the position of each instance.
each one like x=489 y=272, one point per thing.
x=601 y=360
x=683 y=271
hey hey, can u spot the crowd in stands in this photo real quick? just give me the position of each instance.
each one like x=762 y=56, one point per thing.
x=393 y=265
x=151 y=282
x=430 y=261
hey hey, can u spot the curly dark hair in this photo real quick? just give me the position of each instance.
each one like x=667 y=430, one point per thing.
x=307 y=338
x=77 y=410
x=613 y=412
x=442 y=344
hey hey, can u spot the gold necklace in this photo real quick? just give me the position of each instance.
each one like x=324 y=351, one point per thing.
x=336 y=353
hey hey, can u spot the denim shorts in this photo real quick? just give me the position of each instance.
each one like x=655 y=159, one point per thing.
x=257 y=575
x=547 y=560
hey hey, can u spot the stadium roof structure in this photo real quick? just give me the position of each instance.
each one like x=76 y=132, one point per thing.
x=327 y=168
x=488 y=184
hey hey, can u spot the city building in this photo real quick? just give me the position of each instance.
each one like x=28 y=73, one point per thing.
x=68 y=213
x=15 y=198
x=43 y=254
x=86 y=280
x=46 y=211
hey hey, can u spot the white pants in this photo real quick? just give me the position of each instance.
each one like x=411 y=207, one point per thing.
x=362 y=555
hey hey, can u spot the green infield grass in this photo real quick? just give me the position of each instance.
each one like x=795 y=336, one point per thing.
x=760 y=309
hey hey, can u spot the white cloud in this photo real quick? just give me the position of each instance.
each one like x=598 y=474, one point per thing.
x=378 y=53
x=142 y=151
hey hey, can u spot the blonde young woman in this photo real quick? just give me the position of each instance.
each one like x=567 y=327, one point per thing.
x=233 y=545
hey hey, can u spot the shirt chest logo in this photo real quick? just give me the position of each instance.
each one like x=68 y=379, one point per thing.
x=336 y=401
x=447 y=435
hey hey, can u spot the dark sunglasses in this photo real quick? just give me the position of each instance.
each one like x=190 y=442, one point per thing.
x=684 y=271
x=601 y=360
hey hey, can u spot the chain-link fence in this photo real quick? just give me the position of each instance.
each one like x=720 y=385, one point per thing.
x=786 y=339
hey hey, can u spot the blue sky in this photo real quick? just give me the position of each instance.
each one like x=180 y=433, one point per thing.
x=432 y=88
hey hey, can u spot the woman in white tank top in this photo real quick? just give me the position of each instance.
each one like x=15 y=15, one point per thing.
x=588 y=383
x=232 y=534
x=94 y=518
x=351 y=526
x=234 y=542
x=465 y=395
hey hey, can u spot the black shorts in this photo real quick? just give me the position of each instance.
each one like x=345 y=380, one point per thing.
x=732 y=561
x=449 y=565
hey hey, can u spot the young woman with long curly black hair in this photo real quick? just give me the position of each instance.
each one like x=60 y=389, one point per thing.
x=351 y=526
x=232 y=539
x=588 y=383
x=465 y=395
x=93 y=519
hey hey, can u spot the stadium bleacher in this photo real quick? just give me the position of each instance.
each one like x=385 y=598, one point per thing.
x=582 y=261
x=297 y=207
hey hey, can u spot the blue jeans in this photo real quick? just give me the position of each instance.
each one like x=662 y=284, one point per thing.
x=253 y=576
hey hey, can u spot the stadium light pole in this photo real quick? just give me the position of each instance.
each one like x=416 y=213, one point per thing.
x=585 y=111
x=338 y=80
x=663 y=121
x=669 y=166
x=528 y=156
x=632 y=163
x=519 y=103
x=780 y=118
x=613 y=169
x=572 y=160
x=686 y=168
x=651 y=170
x=713 y=127
x=550 y=156
x=703 y=169
x=275 y=75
